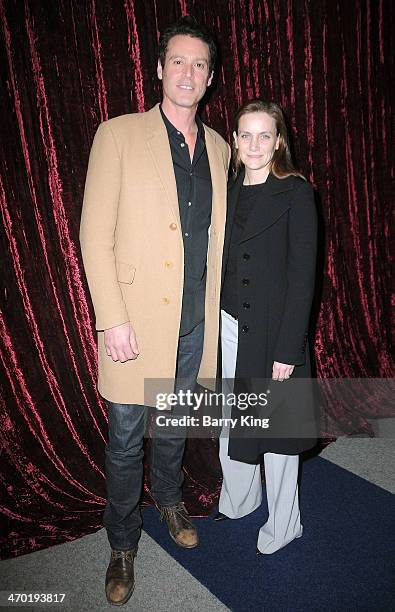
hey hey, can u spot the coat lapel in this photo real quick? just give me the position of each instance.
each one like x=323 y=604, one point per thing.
x=276 y=203
x=232 y=197
x=218 y=179
x=159 y=148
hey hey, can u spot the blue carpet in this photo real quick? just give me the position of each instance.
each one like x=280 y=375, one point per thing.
x=345 y=560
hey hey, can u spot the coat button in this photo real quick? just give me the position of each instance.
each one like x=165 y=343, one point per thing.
x=246 y=281
x=173 y=226
x=246 y=304
x=168 y=264
x=245 y=329
x=246 y=256
x=166 y=300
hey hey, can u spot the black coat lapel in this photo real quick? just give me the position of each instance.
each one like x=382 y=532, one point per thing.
x=276 y=203
x=232 y=197
x=263 y=215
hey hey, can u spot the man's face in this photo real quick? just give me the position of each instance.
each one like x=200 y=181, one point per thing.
x=185 y=75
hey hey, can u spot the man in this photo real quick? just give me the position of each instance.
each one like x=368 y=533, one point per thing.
x=152 y=234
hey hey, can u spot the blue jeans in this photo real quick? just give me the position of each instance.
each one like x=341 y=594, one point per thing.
x=124 y=453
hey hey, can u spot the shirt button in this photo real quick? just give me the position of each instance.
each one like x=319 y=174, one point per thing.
x=189 y=203
x=186 y=234
x=246 y=256
x=246 y=304
x=178 y=133
x=173 y=226
x=246 y=281
x=168 y=264
x=245 y=329
x=191 y=174
x=182 y=144
x=166 y=300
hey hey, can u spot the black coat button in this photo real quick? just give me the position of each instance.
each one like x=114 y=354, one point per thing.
x=246 y=281
x=246 y=304
x=246 y=256
x=245 y=329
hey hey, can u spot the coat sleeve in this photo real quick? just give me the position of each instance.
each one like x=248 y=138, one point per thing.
x=98 y=222
x=301 y=263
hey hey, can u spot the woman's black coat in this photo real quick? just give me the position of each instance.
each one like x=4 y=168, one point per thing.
x=275 y=284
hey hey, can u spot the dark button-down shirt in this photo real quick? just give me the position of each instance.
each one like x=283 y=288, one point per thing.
x=194 y=190
x=249 y=196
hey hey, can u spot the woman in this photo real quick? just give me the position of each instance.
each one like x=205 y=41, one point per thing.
x=268 y=270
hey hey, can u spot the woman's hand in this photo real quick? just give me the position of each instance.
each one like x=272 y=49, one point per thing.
x=281 y=371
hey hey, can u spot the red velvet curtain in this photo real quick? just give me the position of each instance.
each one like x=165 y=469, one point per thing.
x=66 y=66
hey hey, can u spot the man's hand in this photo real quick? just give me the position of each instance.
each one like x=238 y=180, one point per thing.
x=281 y=371
x=120 y=342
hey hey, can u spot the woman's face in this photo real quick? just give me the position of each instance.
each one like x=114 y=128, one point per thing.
x=256 y=141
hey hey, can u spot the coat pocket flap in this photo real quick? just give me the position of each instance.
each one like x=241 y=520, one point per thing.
x=125 y=272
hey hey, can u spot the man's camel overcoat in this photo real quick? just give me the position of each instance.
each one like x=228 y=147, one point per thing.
x=132 y=248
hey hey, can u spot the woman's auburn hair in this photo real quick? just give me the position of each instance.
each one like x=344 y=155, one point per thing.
x=281 y=165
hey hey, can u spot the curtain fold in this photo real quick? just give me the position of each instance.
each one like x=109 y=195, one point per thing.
x=68 y=65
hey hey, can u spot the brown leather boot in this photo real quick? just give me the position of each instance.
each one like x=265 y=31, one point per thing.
x=120 y=576
x=181 y=528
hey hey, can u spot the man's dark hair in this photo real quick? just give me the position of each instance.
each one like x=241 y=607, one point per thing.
x=188 y=26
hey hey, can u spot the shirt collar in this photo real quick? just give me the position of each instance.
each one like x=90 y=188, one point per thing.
x=171 y=129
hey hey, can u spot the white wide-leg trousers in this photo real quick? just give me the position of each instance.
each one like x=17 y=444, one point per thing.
x=241 y=491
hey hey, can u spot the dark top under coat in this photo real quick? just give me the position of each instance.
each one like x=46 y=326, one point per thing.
x=194 y=190
x=249 y=197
